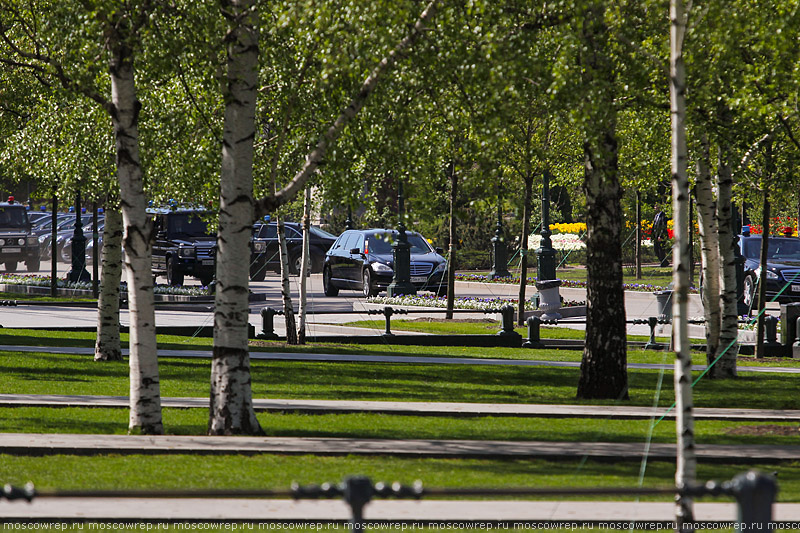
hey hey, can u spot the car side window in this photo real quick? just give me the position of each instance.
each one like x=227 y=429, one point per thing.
x=269 y=231
x=292 y=233
x=359 y=243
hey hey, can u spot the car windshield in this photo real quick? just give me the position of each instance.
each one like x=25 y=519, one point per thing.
x=188 y=224
x=13 y=217
x=381 y=243
x=780 y=249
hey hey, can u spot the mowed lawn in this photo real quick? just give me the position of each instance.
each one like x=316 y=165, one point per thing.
x=48 y=373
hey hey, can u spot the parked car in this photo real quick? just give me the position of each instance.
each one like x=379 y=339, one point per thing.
x=64 y=229
x=64 y=242
x=183 y=245
x=783 y=268
x=17 y=242
x=362 y=260
x=266 y=258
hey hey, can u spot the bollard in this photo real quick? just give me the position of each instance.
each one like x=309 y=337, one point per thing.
x=267 y=323
x=652 y=344
x=534 y=340
x=771 y=330
x=755 y=493
x=387 y=313
x=507 y=314
x=357 y=491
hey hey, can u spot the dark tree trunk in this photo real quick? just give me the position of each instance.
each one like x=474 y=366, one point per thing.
x=604 y=363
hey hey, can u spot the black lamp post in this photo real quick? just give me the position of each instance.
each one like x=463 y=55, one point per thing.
x=546 y=265
x=78 y=271
x=348 y=224
x=401 y=279
x=499 y=250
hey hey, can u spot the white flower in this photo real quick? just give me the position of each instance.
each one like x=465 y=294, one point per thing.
x=565 y=242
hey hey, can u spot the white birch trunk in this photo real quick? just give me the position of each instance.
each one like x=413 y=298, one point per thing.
x=286 y=292
x=305 y=267
x=709 y=252
x=231 y=407
x=108 y=346
x=685 y=472
x=729 y=332
x=145 y=395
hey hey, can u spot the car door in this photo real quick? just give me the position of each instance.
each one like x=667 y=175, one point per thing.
x=339 y=257
x=354 y=259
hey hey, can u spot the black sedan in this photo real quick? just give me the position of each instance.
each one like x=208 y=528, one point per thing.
x=265 y=255
x=783 y=268
x=362 y=260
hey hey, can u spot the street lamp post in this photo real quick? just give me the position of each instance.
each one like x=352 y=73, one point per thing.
x=78 y=271
x=499 y=250
x=546 y=282
x=401 y=251
x=546 y=256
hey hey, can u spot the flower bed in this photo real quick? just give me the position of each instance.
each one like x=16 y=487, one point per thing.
x=575 y=284
x=44 y=281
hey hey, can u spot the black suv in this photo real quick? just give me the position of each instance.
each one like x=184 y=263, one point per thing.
x=363 y=260
x=783 y=268
x=17 y=243
x=183 y=246
x=265 y=254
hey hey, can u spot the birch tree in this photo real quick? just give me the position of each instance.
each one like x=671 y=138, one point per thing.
x=686 y=464
x=39 y=42
x=231 y=396
x=231 y=410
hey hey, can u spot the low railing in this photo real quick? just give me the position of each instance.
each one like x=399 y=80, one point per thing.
x=754 y=493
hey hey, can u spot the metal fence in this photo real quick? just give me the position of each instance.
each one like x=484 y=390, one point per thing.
x=754 y=492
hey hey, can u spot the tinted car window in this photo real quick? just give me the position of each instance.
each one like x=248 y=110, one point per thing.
x=13 y=217
x=349 y=241
x=778 y=249
x=381 y=243
x=187 y=224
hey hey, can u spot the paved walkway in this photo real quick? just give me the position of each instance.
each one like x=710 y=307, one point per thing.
x=408 y=359
x=454 y=512
x=45 y=444
x=419 y=408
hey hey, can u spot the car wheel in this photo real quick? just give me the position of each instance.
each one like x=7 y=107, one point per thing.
x=174 y=274
x=366 y=284
x=11 y=266
x=327 y=283
x=295 y=264
x=65 y=254
x=33 y=265
x=441 y=290
x=749 y=297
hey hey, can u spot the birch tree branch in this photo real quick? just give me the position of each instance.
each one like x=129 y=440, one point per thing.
x=316 y=156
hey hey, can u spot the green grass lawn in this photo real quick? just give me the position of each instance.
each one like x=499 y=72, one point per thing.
x=277 y=472
x=47 y=373
x=103 y=420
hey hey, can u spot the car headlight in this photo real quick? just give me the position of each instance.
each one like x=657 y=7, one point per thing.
x=2 y=242
x=42 y=238
x=441 y=267
x=380 y=267
x=21 y=241
x=259 y=246
x=186 y=252
x=770 y=274
x=32 y=241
